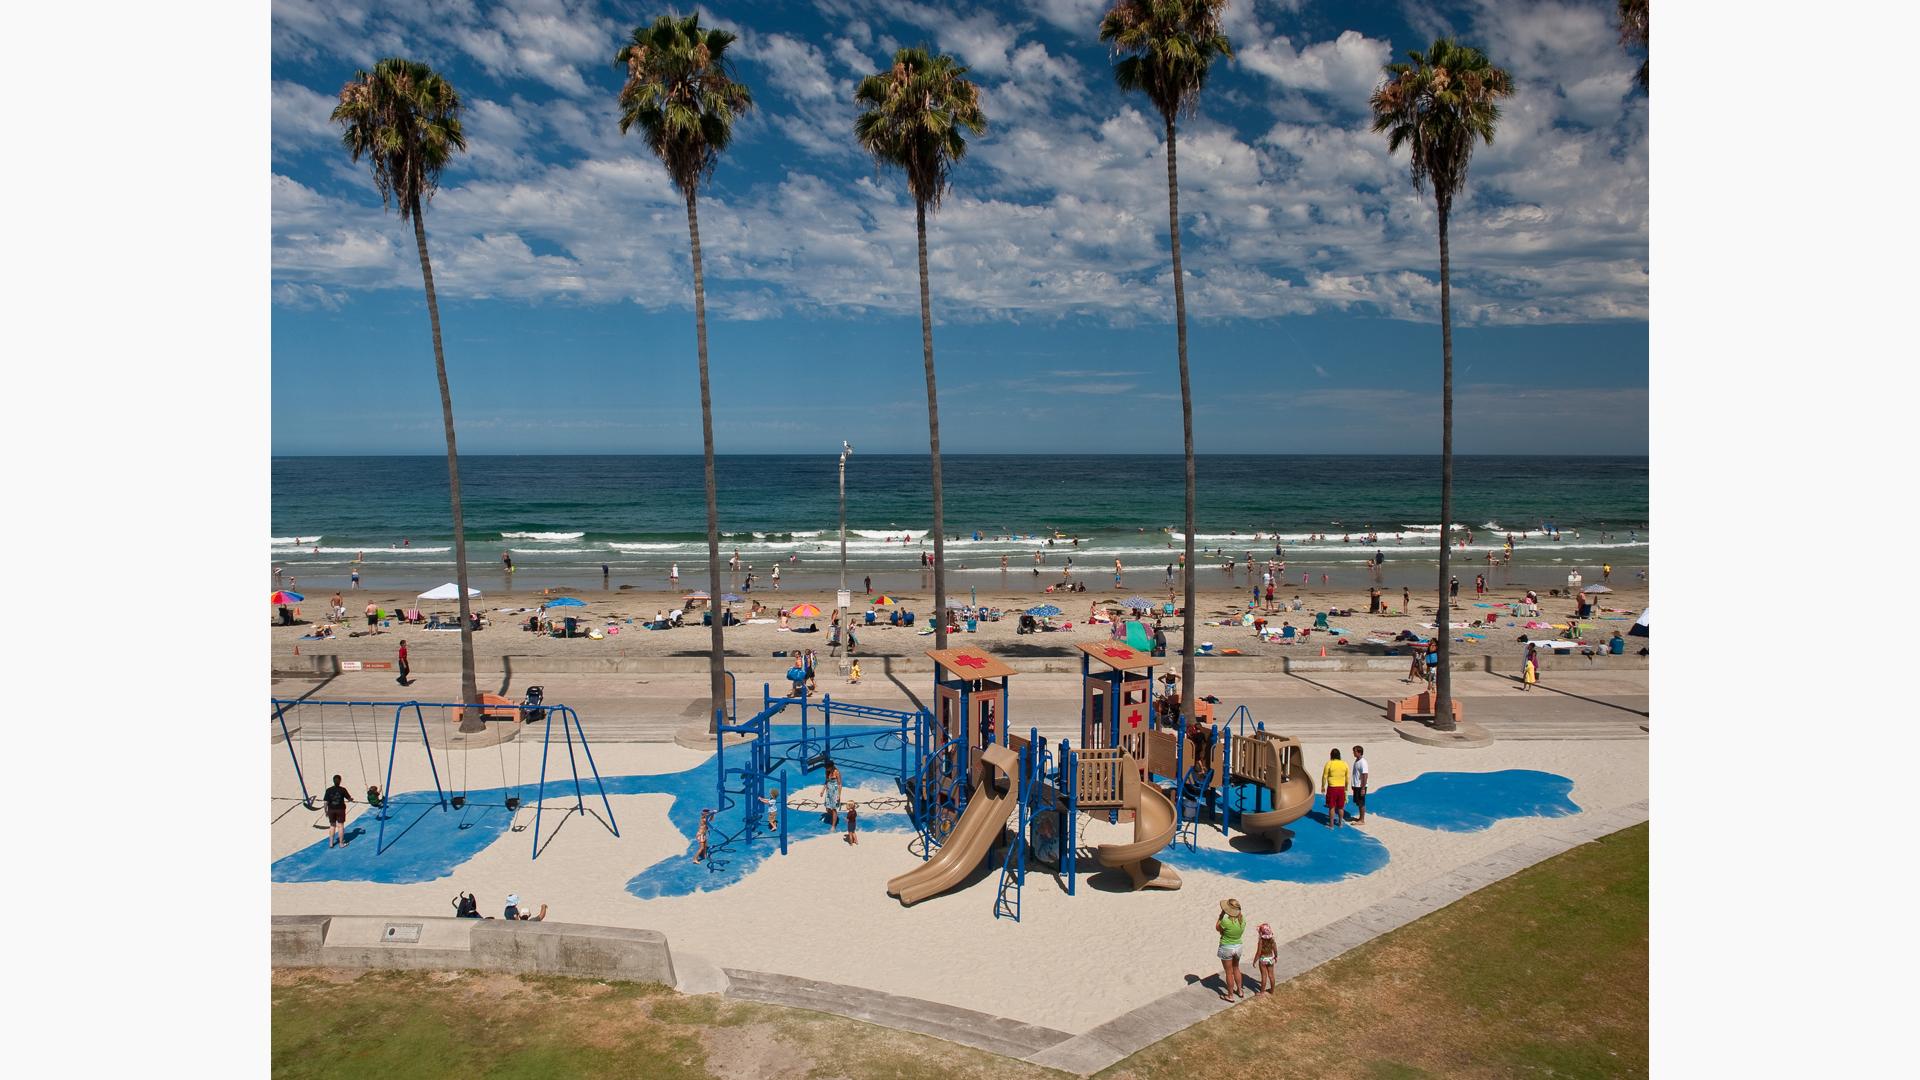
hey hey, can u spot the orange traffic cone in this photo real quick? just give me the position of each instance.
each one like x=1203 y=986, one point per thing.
x=1323 y=652
x=296 y=650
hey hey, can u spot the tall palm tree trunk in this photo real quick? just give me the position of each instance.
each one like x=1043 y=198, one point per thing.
x=933 y=440
x=1186 y=426
x=470 y=719
x=1443 y=678
x=717 y=661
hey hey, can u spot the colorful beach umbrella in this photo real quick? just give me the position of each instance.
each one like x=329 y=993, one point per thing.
x=282 y=597
x=1043 y=610
x=883 y=600
x=806 y=611
x=566 y=601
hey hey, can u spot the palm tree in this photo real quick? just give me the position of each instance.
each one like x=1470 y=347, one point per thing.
x=1169 y=47
x=1635 y=30
x=1437 y=106
x=918 y=114
x=405 y=120
x=682 y=95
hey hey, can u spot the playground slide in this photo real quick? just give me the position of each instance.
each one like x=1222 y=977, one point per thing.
x=972 y=837
x=1152 y=832
x=1292 y=798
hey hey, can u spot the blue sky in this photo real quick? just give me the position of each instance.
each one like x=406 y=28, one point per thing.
x=560 y=251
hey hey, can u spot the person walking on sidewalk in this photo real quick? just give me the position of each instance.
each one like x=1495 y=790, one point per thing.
x=401 y=656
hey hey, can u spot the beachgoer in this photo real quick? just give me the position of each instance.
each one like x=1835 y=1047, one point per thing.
x=516 y=913
x=830 y=795
x=1333 y=781
x=1265 y=953
x=404 y=669
x=1230 y=926
x=465 y=906
x=1480 y=584
x=853 y=821
x=336 y=799
x=1406 y=600
x=776 y=576
x=1357 y=790
x=1453 y=589
x=1606 y=571
x=1530 y=668
x=869 y=586
x=372 y=615
x=772 y=803
x=1417 y=672
x=1617 y=645
x=506 y=557
x=700 y=836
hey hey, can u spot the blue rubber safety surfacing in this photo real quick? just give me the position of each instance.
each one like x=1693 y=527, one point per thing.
x=425 y=843
x=1470 y=802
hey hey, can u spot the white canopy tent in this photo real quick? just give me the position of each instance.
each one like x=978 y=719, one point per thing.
x=449 y=591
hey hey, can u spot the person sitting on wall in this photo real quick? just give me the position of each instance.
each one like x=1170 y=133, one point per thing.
x=516 y=913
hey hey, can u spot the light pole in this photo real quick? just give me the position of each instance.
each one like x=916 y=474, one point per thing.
x=846 y=628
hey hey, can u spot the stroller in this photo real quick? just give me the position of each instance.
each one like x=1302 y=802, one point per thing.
x=530 y=710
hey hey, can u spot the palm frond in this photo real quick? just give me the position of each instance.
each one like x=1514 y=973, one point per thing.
x=1437 y=106
x=1166 y=49
x=682 y=93
x=404 y=118
x=917 y=117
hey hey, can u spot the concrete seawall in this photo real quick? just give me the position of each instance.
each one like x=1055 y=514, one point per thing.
x=449 y=944
x=326 y=665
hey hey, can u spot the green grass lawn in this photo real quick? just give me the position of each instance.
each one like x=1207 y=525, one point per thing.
x=1541 y=975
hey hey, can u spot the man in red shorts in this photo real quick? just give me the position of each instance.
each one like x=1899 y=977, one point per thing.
x=1333 y=781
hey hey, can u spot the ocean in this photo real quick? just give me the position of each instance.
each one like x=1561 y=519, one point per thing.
x=563 y=517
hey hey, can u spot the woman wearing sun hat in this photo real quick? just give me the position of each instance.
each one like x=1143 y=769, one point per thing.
x=1230 y=926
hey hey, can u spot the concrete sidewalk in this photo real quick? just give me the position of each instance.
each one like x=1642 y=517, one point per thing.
x=1317 y=706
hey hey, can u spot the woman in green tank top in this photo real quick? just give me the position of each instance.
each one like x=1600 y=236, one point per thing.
x=1230 y=926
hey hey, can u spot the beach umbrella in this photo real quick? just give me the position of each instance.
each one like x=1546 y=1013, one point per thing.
x=729 y=598
x=1596 y=589
x=1136 y=602
x=449 y=591
x=806 y=611
x=1640 y=625
x=566 y=601
x=283 y=597
x=883 y=600
x=1043 y=610
x=698 y=594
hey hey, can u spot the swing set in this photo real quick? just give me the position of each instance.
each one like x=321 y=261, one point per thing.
x=380 y=798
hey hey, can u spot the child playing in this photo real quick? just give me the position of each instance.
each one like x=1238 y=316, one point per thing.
x=853 y=821
x=853 y=674
x=1264 y=956
x=700 y=837
x=772 y=803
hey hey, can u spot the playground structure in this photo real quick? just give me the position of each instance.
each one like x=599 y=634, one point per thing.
x=1420 y=707
x=331 y=715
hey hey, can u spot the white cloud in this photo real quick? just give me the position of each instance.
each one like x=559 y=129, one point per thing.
x=1059 y=210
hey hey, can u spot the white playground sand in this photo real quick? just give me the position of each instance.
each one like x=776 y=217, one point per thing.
x=822 y=912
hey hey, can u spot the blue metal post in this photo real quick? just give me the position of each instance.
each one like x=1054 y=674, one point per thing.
x=427 y=745
x=828 y=745
x=540 y=802
x=280 y=714
x=1225 y=741
x=783 y=811
x=579 y=796
x=805 y=750
x=1179 y=778
x=1069 y=845
x=601 y=784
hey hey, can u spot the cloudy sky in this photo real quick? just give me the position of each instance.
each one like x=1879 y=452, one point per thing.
x=560 y=250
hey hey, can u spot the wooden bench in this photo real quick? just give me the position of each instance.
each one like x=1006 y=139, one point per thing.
x=1418 y=707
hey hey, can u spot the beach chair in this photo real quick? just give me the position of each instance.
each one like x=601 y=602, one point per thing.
x=1320 y=620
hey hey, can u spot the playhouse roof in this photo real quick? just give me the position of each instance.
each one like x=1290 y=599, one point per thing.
x=1117 y=654
x=969 y=663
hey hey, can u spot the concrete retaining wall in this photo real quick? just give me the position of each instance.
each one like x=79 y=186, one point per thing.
x=756 y=669
x=448 y=944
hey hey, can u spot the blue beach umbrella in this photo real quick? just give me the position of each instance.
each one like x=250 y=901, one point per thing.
x=1043 y=610
x=731 y=598
x=1136 y=602
x=566 y=601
